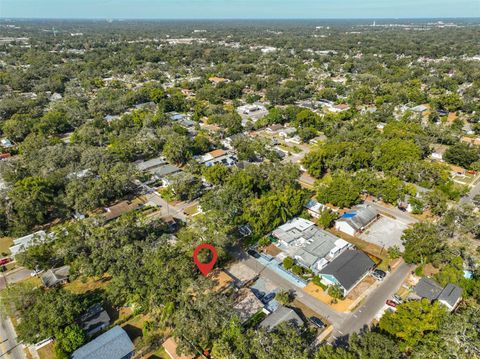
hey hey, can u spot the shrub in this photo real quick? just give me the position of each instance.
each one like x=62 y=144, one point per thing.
x=296 y=269
x=288 y=263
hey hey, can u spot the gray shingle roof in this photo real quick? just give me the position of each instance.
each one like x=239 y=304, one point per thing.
x=349 y=267
x=55 y=276
x=428 y=288
x=450 y=294
x=95 y=319
x=281 y=315
x=166 y=170
x=362 y=216
x=114 y=344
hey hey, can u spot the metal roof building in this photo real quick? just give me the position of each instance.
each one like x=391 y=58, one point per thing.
x=282 y=315
x=114 y=344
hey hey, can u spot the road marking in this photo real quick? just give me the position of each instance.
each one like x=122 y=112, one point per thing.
x=355 y=316
x=340 y=332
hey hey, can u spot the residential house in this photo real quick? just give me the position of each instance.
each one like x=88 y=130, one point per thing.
x=457 y=170
x=252 y=112
x=347 y=270
x=309 y=245
x=282 y=315
x=151 y=165
x=123 y=207
x=114 y=344
x=4 y=156
x=56 y=276
x=438 y=151
x=356 y=220
x=216 y=156
x=294 y=139
x=274 y=128
x=246 y=304
x=339 y=108
x=287 y=131
x=471 y=140
x=315 y=208
x=5 y=142
x=94 y=320
x=217 y=80
x=22 y=243
x=110 y=118
x=450 y=295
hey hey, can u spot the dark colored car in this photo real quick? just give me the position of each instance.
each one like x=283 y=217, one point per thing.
x=379 y=274
x=253 y=253
x=317 y=322
x=268 y=298
x=391 y=303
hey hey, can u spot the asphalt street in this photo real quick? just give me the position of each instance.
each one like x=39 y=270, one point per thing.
x=343 y=323
x=9 y=348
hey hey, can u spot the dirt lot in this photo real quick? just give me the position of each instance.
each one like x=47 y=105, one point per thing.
x=356 y=292
x=318 y=293
x=47 y=352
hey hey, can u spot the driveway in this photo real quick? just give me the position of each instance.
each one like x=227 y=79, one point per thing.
x=400 y=216
x=473 y=192
x=344 y=323
x=264 y=271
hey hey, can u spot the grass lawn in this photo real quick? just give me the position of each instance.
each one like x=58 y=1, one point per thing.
x=79 y=286
x=160 y=353
x=5 y=243
x=134 y=327
x=47 y=352
x=190 y=211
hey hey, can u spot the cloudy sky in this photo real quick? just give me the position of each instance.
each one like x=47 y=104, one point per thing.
x=207 y=9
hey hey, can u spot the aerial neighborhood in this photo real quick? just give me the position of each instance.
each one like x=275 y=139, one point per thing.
x=333 y=166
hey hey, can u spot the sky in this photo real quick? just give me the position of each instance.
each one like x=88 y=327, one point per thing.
x=238 y=9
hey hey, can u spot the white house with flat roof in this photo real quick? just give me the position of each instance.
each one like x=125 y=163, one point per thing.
x=22 y=243
x=309 y=245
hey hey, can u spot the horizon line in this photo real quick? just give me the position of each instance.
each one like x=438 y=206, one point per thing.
x=243 y=18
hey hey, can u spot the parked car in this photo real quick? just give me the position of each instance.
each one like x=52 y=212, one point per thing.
x=397 y=299
x=5 y=260
x=379 y=274
x=266 y=299
x=317 y=322
x=253 y=253
x=391 y=303
x=36 y=272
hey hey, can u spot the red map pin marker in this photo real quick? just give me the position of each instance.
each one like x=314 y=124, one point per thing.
x=205 y=268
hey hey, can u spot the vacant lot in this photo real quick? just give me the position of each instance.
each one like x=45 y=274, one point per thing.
x=385 y=232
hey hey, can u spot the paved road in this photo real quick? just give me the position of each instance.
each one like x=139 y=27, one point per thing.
x=324 y=310
x=14 y=276
x=364 y=314
x=9 y=348
x=166 y=208
x=400 y=216
x=473 y=192
x=344 y=323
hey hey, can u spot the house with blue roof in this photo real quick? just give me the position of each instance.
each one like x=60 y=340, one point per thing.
x=356 y=220
x=113 y=344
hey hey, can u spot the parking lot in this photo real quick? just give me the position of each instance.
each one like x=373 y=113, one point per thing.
x=385 y=232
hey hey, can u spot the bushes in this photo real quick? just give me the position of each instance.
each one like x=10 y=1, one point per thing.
x=288 y=263
x=297 y=270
